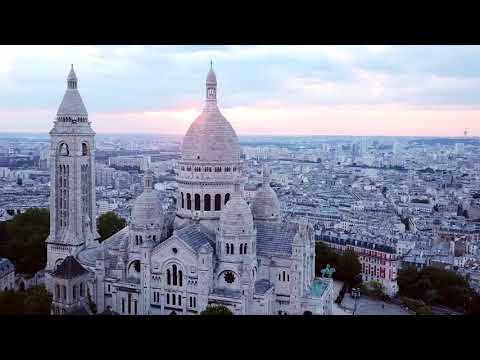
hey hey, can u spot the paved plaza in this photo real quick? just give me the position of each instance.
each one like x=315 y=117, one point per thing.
x=369 y=306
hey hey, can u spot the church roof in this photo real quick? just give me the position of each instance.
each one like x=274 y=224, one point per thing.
x=275 y=238
x=193 y=237
x=227 y=293
x=262 y=286
x=72 y=103
x=69 y=268
x=211 y=137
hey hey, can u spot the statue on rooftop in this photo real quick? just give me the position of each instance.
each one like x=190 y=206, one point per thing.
x=328 y=271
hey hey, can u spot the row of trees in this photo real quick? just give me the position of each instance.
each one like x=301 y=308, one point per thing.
x=435 y=286
x=22 y=239
x=34 y=301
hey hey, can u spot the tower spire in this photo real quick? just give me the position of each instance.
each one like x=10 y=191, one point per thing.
x=72 y=79
x=211 y=85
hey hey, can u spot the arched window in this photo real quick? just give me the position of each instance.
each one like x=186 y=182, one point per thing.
x=174 y=299
x=169 y=278
x=74 y=292
x=197 y=202
x=179 y=300
x=63 y=149
x=189 y=202
x=206 y=201
x=217 y=202
x=180 y=278
x=82 y=293
x=84 y=149
x=64 y=291
x=227 y=197
x=245 y=248
x=168 y=298
x=183 y=202
x=241 y=249
x=174 y=274
x=227 y=248
x=279 y=277
x=283 y=276
x=231 y=249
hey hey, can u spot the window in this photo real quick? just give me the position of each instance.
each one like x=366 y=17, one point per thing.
x=227 y=197
x=180 y=278
x=227 y=248
x=169 y=279
x=189 y=202
x=231 y=249
x=174 y=273
x=57 y=292
x=245 y=248
x=123 y=305
x=84 y=149
x=129 y=304
x=206 y=200
x=168 y=298
x=179 y=300
x=217 y=202
x=109 y=288
x=241 y=249
x=194 y=302
x=63 y=149
x=135 y=307
x=229 y=277
x=64 y=290
x=197 y=202
x=183 y=201
x=174 y=299
x=74 y=292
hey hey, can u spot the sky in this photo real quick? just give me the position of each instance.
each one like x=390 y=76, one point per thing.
x=262 y=90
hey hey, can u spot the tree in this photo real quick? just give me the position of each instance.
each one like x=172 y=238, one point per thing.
x=216 y=310
x=25 y=240
x=33 y=301
x=38 y=301
x=325 y=255
x=377 y=288
x=349 y=267
x=474 y=306
x=109 y=224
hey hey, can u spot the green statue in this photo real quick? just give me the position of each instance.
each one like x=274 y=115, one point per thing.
x=328 y=271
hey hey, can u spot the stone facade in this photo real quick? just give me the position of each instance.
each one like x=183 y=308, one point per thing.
x=219 y=252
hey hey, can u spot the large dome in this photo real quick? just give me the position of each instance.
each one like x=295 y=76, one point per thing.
x=236 y=218
x=211 y=137
x=265 y=205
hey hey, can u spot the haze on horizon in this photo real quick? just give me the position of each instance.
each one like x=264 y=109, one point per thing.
x=262 y=90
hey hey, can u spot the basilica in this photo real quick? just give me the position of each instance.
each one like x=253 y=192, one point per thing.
x=222 y=251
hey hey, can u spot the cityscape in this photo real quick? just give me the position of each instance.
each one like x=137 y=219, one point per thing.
x=211 y=220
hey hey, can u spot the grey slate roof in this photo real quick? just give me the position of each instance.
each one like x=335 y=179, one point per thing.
x=227 y=293
x=193 y=237
x=69 y=268
x=275 y=238
x=72 y=104
x=262 y=286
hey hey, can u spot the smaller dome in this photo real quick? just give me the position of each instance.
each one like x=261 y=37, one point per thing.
x=147 y=210
x=265 y=205
x=236 y=218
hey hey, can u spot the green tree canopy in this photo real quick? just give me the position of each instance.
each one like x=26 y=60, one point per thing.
x=216 y=310
x=24 y=240
x=109 y=224
x=434 y=285
x=346 y=264
x=33 y=301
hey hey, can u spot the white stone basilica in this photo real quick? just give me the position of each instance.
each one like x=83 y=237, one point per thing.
x=221 y=250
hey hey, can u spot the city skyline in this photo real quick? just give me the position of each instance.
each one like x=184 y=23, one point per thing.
x=264 y=90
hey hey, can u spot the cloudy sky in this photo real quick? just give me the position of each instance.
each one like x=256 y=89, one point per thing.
x=263 y=90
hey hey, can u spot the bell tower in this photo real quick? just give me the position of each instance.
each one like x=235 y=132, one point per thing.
x=72 y=179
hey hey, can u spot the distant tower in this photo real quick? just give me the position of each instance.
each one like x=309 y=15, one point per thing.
x=72 y=178
x=465 y=133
